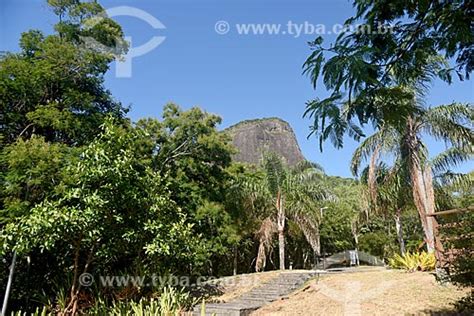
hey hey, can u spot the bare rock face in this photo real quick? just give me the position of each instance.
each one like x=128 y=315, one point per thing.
x=253 y=138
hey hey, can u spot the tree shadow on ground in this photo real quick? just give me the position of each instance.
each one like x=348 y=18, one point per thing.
x=445 y=312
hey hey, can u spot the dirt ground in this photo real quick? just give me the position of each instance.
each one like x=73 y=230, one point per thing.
x=380 y=292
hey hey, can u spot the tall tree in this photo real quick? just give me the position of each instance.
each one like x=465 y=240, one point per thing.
x=54 y=86
x=34 y=170
x=388 y=192
x=452 y=123
x=295 y=195
x=114 y=210
x=386 y=43
x=186 y=149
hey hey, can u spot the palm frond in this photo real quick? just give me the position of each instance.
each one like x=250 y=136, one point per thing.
x=383 y=139
x=452 y=122
x=305 y=165
x=328 y=122
x=451 y=157
x=457 y=181
x=310 y=228
x=274 y=171
x=265 y=236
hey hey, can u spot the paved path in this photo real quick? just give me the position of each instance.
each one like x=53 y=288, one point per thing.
x=274 y=289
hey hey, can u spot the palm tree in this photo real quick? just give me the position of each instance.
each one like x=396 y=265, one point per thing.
x=388 y=193
x=451 y=123
x=295 y=194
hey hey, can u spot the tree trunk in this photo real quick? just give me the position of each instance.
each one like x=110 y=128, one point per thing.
x=236 y=253
x=398 y=225
x=430 y=208
x=261 y=258
x=354 y=234
x=421 y=181
x=318 y=242
x=72 y=307
x=422 y=186
x=372 y=177
x=281 y=244
x=72 y=304
x=281 y=230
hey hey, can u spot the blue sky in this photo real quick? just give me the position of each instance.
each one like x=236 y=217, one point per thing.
x=236 y=76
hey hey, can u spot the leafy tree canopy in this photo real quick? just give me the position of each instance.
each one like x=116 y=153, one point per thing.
x=54 y=86
x=398 y=44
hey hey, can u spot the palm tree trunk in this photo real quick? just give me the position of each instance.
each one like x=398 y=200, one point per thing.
x=261 y=258
x=398 y=225
x=281 y=244
x=421 y=193
x=372 y=177
x=318 y=242
x=422 y=186
x=430 y=206
x=236 y=254
x=281 y=230
x=354 y=234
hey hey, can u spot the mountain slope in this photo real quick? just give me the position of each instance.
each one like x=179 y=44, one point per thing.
x=252 y=138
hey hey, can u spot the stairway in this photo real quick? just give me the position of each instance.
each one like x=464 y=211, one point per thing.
x=279 y=287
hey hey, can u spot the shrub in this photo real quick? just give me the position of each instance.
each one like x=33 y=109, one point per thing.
x=170 y=302
x=418 y=261
x=37 y=312
x=378 y=243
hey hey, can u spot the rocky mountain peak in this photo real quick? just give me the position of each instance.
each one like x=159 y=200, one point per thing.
x=253 y=138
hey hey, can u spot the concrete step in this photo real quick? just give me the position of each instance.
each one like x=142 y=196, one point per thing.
x=277 y=288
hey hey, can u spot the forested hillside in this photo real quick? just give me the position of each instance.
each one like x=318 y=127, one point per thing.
x=87 y=193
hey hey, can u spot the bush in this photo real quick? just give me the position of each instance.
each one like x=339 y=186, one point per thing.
x=418 y=261
x=458 y=233
x=37 y=312
x=377 y=243
x=170 y=302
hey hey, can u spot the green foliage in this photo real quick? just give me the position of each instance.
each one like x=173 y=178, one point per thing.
x=457 y=235
x=38 y=312
x=186 y=149
x=174 y=301
x=54 y=86
x=343 y=211
x=336 y=232
x=33 y=172
x=418 y=261
x=110 y=189
x=378 y=243
x=154 y=198
x=275 y=173
x=113 y=209
x=389 y=46
x=170 y=302
x=222 y=231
